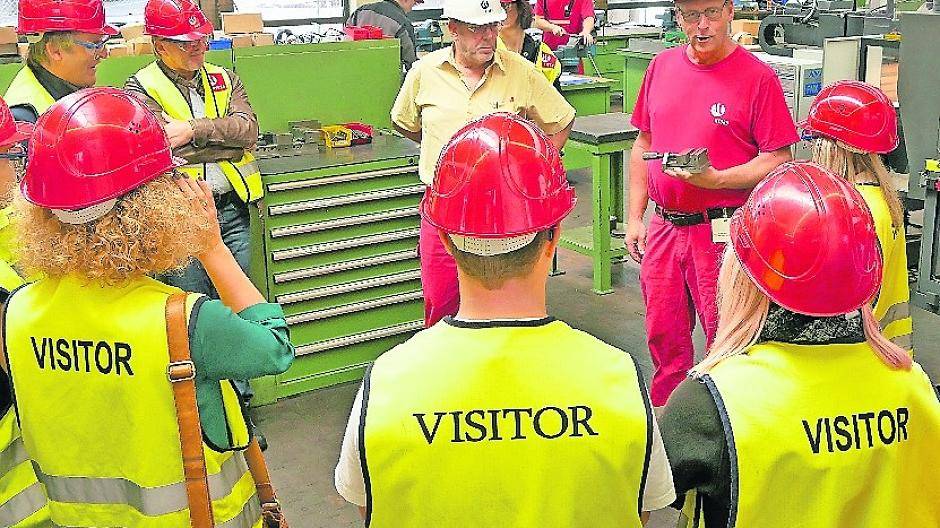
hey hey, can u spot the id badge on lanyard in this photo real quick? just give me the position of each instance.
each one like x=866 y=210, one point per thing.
x=721 y=230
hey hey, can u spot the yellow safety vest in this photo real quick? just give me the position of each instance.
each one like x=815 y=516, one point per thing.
x=243 y=174
x=26 y=90
x=22 y=501
x=96 y=409
x=9 y=278
x=893 y=307
x=504 y=426
x=546 y=62
x=825 y=436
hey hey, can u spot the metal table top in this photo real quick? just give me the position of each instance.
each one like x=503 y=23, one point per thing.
x=603 y=128
x=310 y=157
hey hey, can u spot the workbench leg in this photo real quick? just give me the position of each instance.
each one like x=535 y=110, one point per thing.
x=601 y=165
x=617 y=163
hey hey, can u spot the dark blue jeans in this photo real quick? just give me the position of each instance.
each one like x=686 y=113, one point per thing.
x=234 y=222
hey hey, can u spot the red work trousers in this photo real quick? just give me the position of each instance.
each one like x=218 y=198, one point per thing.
x=438 y=276
x=678 y=277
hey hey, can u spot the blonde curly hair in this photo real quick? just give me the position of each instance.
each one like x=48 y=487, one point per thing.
x=151 y=230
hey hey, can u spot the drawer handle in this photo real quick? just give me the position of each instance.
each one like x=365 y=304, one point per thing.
x=337 y=289
x=349 y=243
x=363 y=337
x=342 y=178
x=345 y=309
x=312 y=205
x=348 y=221
x=319 y=271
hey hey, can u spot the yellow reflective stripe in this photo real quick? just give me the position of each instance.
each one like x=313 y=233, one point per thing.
x=152 y=502
x=12 y=456
x=905 y=341
x=22 y=505
x=896 y=312
x=247 y=518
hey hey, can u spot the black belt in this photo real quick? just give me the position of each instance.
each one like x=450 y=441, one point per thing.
x=691 y=219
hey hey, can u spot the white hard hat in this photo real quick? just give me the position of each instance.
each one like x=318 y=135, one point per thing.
x=477 y=12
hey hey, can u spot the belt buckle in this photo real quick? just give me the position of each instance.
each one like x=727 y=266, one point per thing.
x=178 y=371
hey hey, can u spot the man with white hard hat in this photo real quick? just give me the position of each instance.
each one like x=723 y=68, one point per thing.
x=450 y=87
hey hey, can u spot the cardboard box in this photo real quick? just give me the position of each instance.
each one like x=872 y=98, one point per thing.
x=8 y=35
x=242 y=23
x=9 y=49
x=241 y=41
x=751 y=27
x=118 y=50
x=262 y=39
x=132 y=31
x=140 y=46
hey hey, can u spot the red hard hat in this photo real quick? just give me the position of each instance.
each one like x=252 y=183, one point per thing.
x=92 y=146
x=498 y=177
x=41 y=16
x=855 y=113
x=807 y=239
x=176 y=19
x=12 y=132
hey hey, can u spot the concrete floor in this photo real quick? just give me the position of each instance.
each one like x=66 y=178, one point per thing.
x=305 y=432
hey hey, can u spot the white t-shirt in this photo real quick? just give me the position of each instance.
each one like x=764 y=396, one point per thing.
x=658 y=493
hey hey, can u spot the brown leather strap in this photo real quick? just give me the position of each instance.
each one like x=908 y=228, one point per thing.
x=266 y=494
x=182 y=375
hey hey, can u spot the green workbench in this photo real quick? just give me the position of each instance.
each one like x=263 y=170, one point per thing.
x=608 y=40
x=604 y=138
x=337 y=236
x=635 y=65
x=588 y=96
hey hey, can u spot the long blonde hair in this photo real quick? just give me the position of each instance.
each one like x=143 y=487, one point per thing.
x=854 y=165
x=742 y=313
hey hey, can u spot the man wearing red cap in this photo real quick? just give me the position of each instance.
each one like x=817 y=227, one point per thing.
x=511 y=418
x=709 y=94
x=209 y=121
x=67 y=40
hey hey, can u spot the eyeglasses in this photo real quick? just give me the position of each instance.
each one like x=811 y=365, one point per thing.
x=16 y=152
x=712 y=13
x=94 y=47
x=191 y=46
x=479 y=30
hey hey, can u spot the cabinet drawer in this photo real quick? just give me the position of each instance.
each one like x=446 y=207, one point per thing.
x=311 y=186
x=357 y=319
x=344 y=272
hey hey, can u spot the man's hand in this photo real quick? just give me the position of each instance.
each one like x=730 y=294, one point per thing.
x=709 y=178
x=588 y=38
x=635 y=240
x=179 y=132
x=558 y=30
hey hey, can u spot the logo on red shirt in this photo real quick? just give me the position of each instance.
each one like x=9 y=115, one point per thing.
x=217 y=82
x=718 y=111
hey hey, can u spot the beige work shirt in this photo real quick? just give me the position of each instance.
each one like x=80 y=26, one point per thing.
x=435 y=101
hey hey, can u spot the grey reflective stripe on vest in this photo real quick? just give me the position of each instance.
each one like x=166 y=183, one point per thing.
x=905 y=341
x=22 y=505
x=12 y=456
x=897 y=312
x=152 y=502
x=248 y=169
x=247 y=517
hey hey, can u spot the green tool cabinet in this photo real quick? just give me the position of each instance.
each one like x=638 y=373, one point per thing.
x=338 y=232
x=609 y=63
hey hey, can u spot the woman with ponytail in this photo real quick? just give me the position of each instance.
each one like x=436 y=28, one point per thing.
x=855 y=124
x=803 y=413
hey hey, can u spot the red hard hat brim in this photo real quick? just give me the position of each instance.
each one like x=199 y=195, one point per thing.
x=108 y=29
x=23 y=131
x=191 y=37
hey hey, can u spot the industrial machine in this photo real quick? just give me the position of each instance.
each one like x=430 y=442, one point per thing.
x=920 y=118
x=802 y=80
x=428 y=35
x=802 y=24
